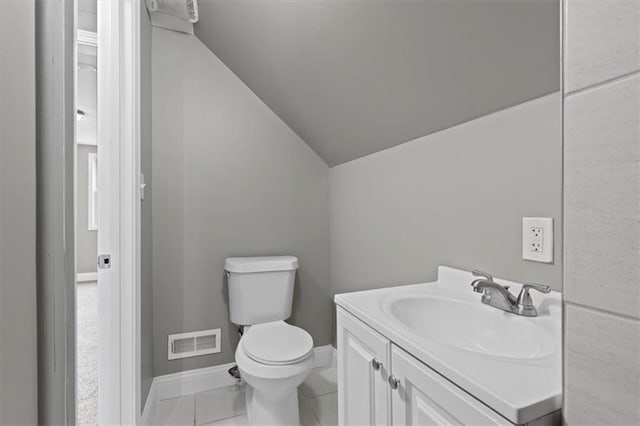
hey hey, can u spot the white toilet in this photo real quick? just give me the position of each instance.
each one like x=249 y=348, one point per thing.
x=273 y=357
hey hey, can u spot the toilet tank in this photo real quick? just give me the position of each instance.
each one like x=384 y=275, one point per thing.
x=260 y=288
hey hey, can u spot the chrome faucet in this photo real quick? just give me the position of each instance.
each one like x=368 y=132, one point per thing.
x=499 y=296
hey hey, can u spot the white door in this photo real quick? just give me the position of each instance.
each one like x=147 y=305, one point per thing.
x=108 y=275
x=119 y=212
x=423 y=397
x=363 y=362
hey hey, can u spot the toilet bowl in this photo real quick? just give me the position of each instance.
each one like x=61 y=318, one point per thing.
x=274 y=359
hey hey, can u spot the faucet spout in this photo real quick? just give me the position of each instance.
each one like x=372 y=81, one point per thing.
x=491 y=289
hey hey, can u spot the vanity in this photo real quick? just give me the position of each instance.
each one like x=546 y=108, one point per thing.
x=434 y=354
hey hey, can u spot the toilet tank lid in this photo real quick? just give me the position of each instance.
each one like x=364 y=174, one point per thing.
x=245 y=265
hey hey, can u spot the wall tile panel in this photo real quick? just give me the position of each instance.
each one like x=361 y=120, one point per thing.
x=602 y=197
x=601 y=41
x=602 y=376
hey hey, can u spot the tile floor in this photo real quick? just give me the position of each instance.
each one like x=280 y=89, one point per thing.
x=318 y=399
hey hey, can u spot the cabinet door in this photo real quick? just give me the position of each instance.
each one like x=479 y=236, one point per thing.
x=423 y=397
x=364 y=397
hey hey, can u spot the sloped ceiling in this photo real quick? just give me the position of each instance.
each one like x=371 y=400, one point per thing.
x=352 y=77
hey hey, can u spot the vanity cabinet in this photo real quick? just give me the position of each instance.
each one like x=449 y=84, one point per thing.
x=381 y=384
x=363 y=359
x=423 y=397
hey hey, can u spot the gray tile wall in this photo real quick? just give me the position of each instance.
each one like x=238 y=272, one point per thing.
x=603 y=352
x=602 y=212
x=601 y=41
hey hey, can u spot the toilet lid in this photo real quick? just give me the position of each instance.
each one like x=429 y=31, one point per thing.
x=277 y=343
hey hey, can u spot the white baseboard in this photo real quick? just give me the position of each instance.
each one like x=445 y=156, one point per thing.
x=324 y=356
x=204 y=379
x=193 y=381
x=86 y=277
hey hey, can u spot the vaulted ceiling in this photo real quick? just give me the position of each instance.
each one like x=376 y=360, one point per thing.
x=352 y=77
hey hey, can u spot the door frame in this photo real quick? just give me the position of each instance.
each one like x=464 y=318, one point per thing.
x=119 y=211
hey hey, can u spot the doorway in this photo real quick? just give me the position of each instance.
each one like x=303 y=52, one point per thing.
x=86 y=211
x=117 y=33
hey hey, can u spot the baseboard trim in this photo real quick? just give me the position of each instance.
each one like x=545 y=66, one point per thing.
x=193 y=381
x=324 y=356
x=204 y=379
x=84 y=277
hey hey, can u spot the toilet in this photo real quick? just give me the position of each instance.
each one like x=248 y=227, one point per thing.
x=273 y=357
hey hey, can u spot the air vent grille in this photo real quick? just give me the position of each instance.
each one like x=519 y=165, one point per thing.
x=194 y=343
x=206 y=342
x=181 y=346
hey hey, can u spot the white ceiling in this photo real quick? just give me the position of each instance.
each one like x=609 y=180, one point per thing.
x=353 y=77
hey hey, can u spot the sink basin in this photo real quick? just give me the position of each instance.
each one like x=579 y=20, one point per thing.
x=473 y=327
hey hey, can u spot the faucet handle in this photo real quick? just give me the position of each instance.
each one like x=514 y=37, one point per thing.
x=541 y=288
x=524 y=298
x=485 y=275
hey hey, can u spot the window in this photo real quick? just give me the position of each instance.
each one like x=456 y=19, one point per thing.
x=93 y=192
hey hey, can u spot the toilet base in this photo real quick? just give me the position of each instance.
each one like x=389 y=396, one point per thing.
x=264 y=410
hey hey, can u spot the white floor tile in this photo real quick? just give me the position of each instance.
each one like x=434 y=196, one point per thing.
x=226 y=407
x=307 y=418
x=325 y=408
x=320 y=382
x=232 y=421
x=219 y=404
x=174 y=411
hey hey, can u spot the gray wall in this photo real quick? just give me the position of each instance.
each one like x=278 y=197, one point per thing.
x=86 y=240
x=18 y=371
x=456 y=197
x=355 y=77
x=55 y=64
x=86 y=133
x=146 y=287
x=602 y=212
x=229 y=179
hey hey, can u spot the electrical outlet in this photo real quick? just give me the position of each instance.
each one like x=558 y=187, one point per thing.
x=537 y=239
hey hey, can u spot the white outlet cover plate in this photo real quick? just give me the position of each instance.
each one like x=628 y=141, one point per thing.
x=546 y=223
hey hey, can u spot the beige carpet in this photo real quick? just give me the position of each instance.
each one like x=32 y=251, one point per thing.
x=87 y=353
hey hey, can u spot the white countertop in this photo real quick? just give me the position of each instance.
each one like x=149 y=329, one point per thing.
x=520 y=389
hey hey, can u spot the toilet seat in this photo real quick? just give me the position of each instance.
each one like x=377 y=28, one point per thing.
x=277 y=343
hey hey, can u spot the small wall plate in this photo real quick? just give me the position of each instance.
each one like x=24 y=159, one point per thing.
x=537 y=239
